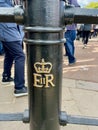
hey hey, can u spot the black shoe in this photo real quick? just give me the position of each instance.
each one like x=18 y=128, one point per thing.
x=7 y=80
x=21 y=92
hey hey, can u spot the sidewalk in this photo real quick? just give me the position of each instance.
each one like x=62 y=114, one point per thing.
x=87 y=62
x=79 y=90
x=80 y=84
x=84 y=74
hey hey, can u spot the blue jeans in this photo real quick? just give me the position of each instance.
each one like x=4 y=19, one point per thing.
x=70 y=36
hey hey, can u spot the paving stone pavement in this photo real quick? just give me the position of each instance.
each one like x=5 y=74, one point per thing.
x=79 y=97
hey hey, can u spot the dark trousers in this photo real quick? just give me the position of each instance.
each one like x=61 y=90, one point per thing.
x=14 y=52
x=86 y=36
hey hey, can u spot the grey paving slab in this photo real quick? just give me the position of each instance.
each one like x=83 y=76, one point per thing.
x=13 y=126
x=74 y=83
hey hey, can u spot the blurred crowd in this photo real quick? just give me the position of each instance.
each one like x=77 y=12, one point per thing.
x=93 y=31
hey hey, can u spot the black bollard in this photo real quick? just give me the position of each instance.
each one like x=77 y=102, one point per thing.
x=44 y=21
x=44 y=38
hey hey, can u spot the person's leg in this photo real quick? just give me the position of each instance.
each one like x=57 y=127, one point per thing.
x=73 y=37
x=87 y=37
x=70 y=36
x=78 y=35
x=84 y=39
x=8 y=62
x=72 y=58
x=16 y=51
x=66 y=52
x=19 y=68
x=84 y=35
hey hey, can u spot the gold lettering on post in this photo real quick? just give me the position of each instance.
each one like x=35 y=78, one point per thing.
x=49 y=80
x=42 y=77
x=37 y=80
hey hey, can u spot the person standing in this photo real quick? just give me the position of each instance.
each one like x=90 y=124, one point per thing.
x=86 y=34
x=70 y=36
x=11 y=35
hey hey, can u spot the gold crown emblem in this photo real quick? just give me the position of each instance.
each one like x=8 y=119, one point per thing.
x=43 y=67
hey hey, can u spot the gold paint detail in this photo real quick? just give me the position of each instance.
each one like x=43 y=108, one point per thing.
x=43 y=67
x=42 y=77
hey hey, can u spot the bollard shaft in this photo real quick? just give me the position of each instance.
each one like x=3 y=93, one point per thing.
x=44 y=38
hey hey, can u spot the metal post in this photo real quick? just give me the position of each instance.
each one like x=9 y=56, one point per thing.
x=44 y=38
x=44 y=21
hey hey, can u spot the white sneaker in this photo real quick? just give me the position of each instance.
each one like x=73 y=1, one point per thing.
x=84 y=46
